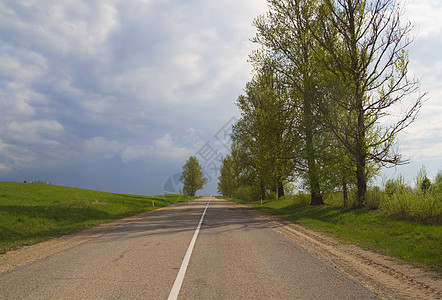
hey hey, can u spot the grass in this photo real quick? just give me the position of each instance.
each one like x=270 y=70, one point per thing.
x=31 y=213
x=412 y=242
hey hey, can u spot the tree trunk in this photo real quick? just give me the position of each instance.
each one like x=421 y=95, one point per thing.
x=361 y=180
x=345 y=190
x=361 y=152
x=316 y=197
x=315 y=190
x=280 y=190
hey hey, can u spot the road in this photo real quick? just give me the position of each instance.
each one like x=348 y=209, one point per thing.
x=236 y=255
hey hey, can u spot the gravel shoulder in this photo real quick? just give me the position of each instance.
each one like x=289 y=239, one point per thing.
x=383 y=275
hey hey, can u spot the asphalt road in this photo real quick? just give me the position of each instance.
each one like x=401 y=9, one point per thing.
x=235 y=256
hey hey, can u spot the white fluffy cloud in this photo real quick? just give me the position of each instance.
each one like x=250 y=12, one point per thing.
x=422 y=139
x=163 y=148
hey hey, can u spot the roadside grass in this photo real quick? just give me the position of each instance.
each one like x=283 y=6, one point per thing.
x=31 y=213
x=410 y=241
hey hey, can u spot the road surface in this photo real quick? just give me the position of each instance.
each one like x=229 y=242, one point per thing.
x=235 y=255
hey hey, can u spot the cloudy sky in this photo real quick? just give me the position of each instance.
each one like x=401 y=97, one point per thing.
x=116 y=95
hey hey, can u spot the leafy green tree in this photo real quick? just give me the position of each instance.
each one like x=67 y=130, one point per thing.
x=422 y=182
x=426 y=185
x=363 y=52
x=228 y=179
x=437 y=186
x=283 y=32
x=342 y=67
x=192 y=177
x=263 y=131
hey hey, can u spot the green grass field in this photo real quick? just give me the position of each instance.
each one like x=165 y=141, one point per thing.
x=31 y=213
x=409 y=241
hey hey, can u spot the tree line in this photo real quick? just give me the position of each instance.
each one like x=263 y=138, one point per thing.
x=330 y=92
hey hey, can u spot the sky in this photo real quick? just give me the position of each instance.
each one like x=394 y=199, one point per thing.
x=116 y=95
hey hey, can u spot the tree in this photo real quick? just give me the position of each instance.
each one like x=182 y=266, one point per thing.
x=438 y=182
x=228 y=179
x=192 y=177
x=362 y=47
x=422 y=182
x=342 y=66
x=284 y=33
x=263 y=131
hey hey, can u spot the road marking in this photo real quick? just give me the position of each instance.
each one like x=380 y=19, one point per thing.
x=180 y=277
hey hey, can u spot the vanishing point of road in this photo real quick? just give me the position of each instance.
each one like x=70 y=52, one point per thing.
x=208 y=248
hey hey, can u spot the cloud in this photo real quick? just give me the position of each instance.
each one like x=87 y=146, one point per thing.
x=134 y=152
x=422 y=139
x=100 y=147
x=425 y=14
x=4 y=168
x=14 y=158
x=162 y=148
x=105 y=83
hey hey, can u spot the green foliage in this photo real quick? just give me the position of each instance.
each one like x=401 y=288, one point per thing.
x=326 y=74
x=373 y=198
x=421 y=204
x=228 y=179
x=425 y=207
x=393 y=186
x=246 y=193
x=263 y=136
x=425 y=185
x=421 y=180
x=403 y=203
x=192 y=177
x=437 y=185
x=31 y=213
x=284 y=34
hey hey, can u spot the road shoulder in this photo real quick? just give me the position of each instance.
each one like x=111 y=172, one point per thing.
x=379 y=273
x=29 y=254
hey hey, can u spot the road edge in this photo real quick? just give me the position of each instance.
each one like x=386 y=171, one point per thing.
x=28 y=254
x=388 y=277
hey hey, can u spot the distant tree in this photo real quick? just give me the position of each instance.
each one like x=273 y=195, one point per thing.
x=192 y=177
x=425 y=185
x=422 y=182
x=437 y=186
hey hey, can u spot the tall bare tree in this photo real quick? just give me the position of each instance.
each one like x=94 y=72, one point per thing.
x=362 y=48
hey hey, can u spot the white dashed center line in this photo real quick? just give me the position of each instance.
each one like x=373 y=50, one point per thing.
x=180 y=277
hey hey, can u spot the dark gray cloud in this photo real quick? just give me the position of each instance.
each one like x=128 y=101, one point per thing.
x=116 y=95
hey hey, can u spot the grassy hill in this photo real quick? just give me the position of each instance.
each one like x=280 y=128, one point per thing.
x=31 y=213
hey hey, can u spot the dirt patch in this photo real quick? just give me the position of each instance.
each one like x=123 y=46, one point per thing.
x=383 y=275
